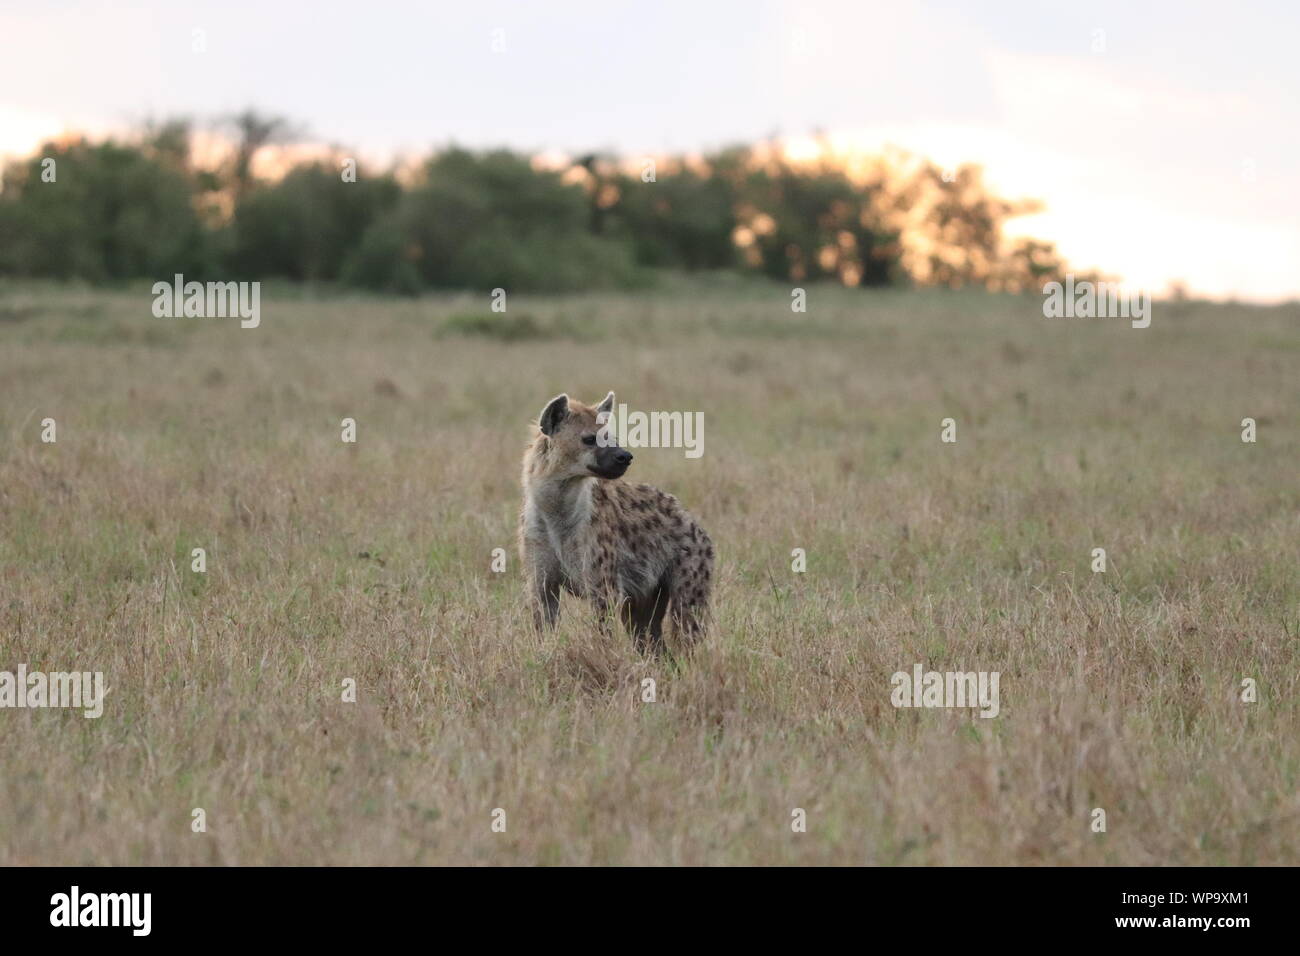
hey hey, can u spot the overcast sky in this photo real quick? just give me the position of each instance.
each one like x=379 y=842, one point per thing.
x=1165 y=146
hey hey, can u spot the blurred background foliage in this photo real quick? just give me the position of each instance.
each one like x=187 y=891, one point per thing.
x=146 y=207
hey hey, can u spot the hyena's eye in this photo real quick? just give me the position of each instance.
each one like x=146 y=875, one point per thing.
x=589 y=439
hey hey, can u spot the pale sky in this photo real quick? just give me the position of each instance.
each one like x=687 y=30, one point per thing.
x=1165 y=146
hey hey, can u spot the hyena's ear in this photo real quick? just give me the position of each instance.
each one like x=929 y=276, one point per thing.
x=556 y=410
x=607 y=405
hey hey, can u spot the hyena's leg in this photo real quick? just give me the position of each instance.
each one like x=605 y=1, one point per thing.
x=604 y=594
x=543 y=577
x=644 y=618
x=545 y=598
x=690 y=602
x=606 y=603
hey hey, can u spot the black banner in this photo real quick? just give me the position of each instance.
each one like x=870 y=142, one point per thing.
x=338 y=904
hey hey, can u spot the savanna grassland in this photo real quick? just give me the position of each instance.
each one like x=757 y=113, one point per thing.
x=372 y=561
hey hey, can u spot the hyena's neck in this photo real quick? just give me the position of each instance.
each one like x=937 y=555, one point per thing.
x=565 y=504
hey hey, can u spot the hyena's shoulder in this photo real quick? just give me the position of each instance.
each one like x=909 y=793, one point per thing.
x=626 y=510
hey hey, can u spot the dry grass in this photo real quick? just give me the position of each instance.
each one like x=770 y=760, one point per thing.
x=329 y=561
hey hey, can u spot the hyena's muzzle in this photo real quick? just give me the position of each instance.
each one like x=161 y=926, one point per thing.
x=611 y=461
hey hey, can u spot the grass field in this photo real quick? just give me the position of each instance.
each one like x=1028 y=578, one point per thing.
x=371 y=561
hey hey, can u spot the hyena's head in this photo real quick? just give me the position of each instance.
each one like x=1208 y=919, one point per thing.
x=579 y=441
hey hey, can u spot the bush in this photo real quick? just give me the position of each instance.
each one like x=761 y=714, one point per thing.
x=305 y=226
x=509 y=327
x=381 y=261
x=681 y=220
x=489 y=221
x=113 y=211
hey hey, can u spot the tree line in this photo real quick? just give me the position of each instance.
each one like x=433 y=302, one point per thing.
x=144 y=207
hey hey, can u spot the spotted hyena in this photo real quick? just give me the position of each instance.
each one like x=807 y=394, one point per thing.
x=618 y=545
